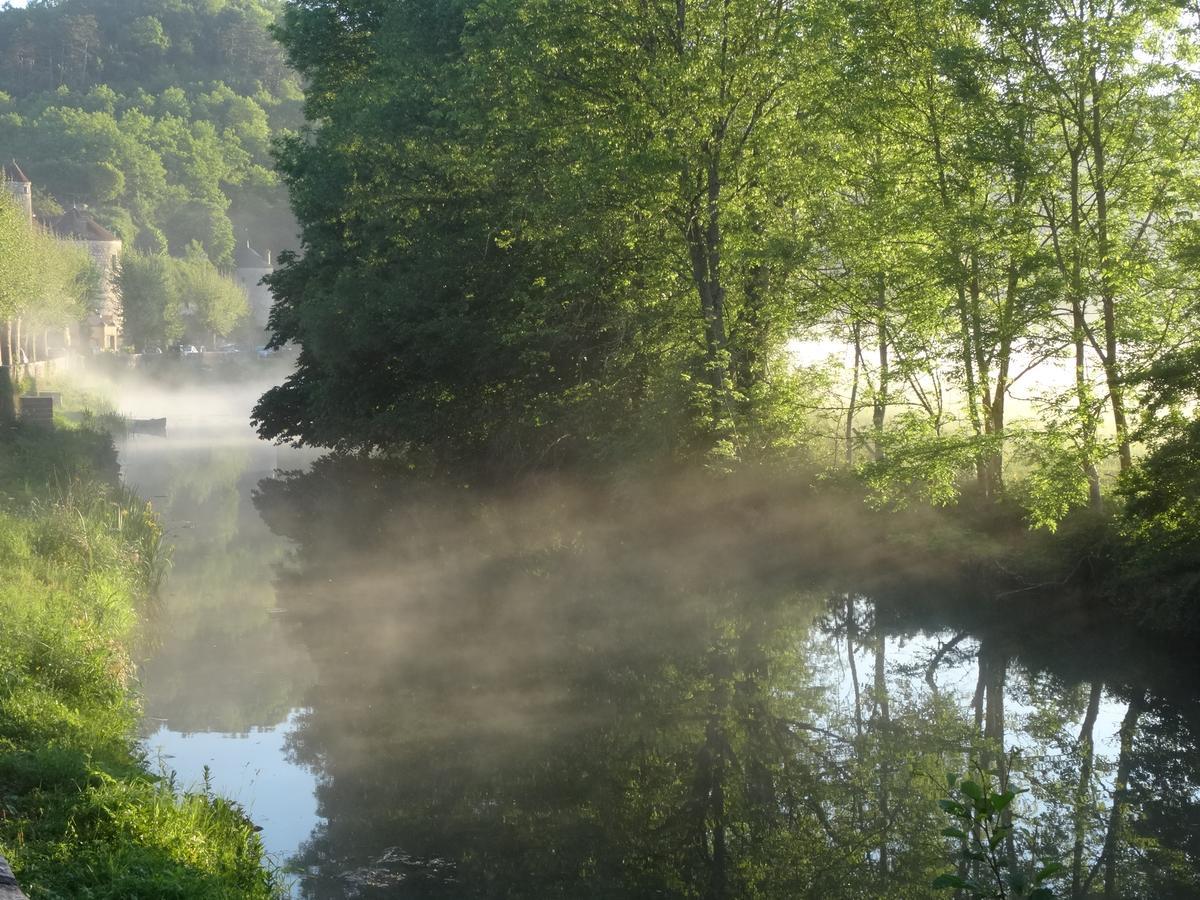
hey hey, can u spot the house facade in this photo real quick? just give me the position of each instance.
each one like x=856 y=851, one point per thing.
x=19 y=187
x=252 y=267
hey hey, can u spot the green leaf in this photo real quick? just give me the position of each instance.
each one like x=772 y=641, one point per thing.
x=972 y=790
x=953 y=807
x=954 y=833
x=1001 y=802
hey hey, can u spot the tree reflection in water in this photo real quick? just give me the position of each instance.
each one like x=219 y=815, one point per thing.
x=214 y=658
x=689 y=690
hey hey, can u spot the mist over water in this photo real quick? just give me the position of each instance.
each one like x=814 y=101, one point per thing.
x=220 y=676
x=666 y=687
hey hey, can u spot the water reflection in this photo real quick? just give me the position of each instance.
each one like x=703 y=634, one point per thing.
x=220 y=674
x=218 y=657
x=675 y=689
x=684 y=690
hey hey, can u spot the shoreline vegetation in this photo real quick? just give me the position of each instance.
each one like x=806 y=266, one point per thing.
x=81 y=812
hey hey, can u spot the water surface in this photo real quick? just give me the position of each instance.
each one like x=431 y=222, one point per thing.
x=675 y=688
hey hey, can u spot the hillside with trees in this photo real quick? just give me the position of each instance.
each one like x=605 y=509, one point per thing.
x=158 y=114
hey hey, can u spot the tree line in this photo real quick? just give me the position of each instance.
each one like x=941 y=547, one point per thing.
x=538 y=233
x=165 y=299
x=45 y=285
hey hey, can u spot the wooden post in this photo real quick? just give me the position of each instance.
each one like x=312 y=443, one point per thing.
x=8 y=405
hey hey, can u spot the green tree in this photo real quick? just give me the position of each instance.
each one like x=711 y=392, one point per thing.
x=214 y=303
x=118 y=106
x=18 y=271
x=150 y=297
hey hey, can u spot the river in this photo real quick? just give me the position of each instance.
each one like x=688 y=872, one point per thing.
x=682 y=687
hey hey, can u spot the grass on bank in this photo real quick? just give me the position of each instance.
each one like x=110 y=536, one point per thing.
x=80 y=814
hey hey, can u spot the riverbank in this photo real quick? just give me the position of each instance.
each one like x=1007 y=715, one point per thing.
x=81 y=813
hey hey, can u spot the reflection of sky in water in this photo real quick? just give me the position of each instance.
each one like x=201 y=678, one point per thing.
x=220 y=673
x=957 y=677
x=252 y=769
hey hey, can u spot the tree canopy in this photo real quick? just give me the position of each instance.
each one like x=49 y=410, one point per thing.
x=45 y=283
x=159 y=114
x=536 y=233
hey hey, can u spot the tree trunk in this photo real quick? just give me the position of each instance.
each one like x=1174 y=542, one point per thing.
x=704 y=248
x=1107 y=290
x=881 y=393
x=857 y=328
x=954 y=250
x=752 y=340
x=1082 y=790
x=883 y=726
x=1120 y=793
x=982 y=374
x=1083 y=387
x=968 y=361
x=995 y=462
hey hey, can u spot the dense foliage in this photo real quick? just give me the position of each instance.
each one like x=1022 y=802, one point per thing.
x=165 y=299
x=540 y=232
x=157 y=113
x=1160 y=519
x=44 y=284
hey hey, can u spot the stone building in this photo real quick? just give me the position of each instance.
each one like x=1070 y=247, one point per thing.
x=252 y=266
x=16 y=184
x=104 y=323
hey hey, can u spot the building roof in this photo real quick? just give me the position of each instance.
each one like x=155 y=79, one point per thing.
x=12 y=172
x=249 y=258
x=77 y=224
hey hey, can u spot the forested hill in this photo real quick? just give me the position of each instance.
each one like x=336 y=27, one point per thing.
x=157 y=113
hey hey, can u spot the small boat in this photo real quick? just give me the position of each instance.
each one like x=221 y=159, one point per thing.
x=155 y=427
